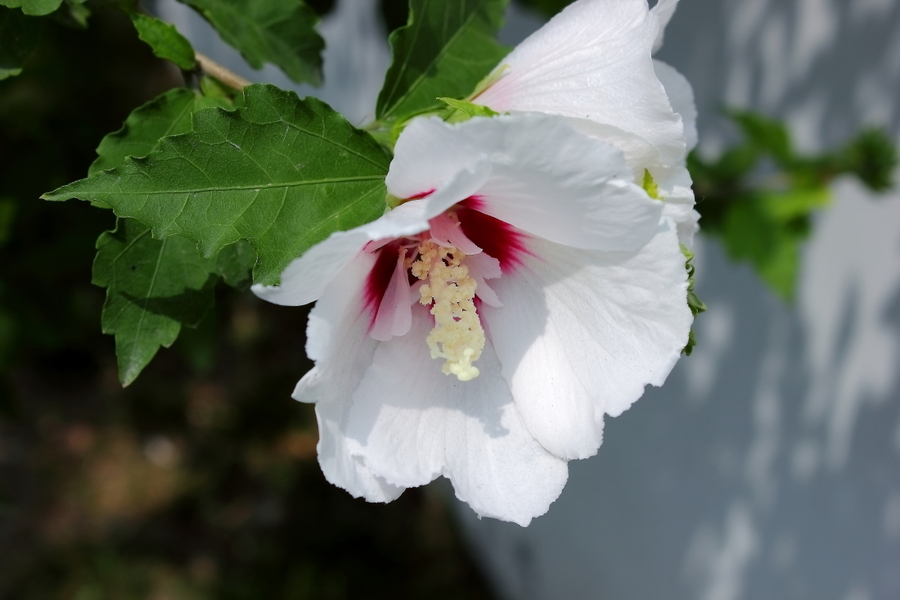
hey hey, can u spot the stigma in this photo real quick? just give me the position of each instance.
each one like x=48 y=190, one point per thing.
x=447 y=287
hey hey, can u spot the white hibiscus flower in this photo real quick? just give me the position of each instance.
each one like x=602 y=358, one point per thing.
x=592 y=63
x=524 y=287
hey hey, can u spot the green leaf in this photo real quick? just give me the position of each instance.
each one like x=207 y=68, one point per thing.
x=213 y=88
x=152 y=288
x=768 y=230
x=155 y=320
x=165 y=40
x=35 y=8
x=235 y=264
x=447 y=47
x=19 y=36
x=765 y=135
x=281 y=32
x=872 y=157
x=78 y=12
x=167 y=114
x=281 y=172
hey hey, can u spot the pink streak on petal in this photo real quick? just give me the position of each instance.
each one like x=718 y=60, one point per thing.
x=474 y=202
x=394 y=316
x=420 y=195
x=379 y=278
x=495 y=237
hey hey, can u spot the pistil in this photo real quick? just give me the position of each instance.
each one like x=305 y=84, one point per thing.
x=457 y=336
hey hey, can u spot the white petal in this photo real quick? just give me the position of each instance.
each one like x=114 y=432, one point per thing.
x=674 y=185
x=337 y=339
x=663 y=12
x=447 y=232
x=591 y=61
x=639 y=153
x=686 y=220
x=681 y=97
x=411 y=423
x=582 y=333
x=426 y=158
x=482 y=267
x=545 y=178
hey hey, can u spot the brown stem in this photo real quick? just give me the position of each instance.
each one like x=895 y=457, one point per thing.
x=213 y=68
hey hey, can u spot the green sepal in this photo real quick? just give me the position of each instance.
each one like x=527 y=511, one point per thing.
x=461 y=110
x=164 y=40
x=694 y=303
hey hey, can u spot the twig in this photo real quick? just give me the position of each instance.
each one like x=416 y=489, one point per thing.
x=213 y=68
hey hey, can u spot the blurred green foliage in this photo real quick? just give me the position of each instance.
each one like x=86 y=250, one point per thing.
x=759 y=196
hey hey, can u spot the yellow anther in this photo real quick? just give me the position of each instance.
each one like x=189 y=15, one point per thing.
x=457 y=336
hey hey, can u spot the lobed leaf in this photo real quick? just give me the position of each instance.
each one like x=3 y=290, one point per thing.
x=140 y=313
x=164 y=40
x=446 y=48
x=19 y=36
x=281 y=32
x=34 y=8
x=152 y=288
x=280 y=172
x=167 y=114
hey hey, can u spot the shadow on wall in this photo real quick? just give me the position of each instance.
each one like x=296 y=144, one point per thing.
x=827 y=66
